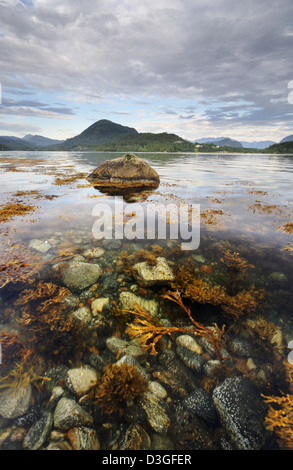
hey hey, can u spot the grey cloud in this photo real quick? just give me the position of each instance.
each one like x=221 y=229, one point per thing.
x=214 y=52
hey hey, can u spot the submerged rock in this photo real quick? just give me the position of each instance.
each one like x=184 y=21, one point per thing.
x=80 y=380
x=128 y=300
x=121 y=347
x=159 y=274
x=242 y=412
x=15 y=403
x=77 y=275
x=128 y=172
x=135 y=438
x=69 y=414
x=83 y=438
x=98 y=305
x=39 y=245
x=157 y=416
x=39 y=432
x=200 y=403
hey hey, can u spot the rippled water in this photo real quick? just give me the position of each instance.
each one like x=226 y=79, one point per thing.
x=245 y=202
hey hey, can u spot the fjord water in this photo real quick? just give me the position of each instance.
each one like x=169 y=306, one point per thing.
x=245 y=202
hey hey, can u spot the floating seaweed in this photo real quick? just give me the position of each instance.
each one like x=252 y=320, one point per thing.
x=15 y=209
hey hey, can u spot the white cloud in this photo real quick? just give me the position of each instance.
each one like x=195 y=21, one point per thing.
x=216 y=52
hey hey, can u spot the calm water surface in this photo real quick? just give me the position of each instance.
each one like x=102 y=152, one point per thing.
x=245 y=203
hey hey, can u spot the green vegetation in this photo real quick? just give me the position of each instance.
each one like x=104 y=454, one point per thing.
x=106 y=135
x=148 y=142
x=285 y=147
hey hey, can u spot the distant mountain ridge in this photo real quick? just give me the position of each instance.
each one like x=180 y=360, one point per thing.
x=220 y=141
x=41 y=141
x=289 y=138
x=110 y=136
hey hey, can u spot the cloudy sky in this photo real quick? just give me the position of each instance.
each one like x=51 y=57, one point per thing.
x=197 y=68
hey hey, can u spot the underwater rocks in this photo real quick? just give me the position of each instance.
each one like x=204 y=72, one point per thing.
x=159 y=274
x=76 y=275
x=81 y=379
x=121 y=347
x=157 y=416
x=69 y=414
x=190 y=352
x=83 y=438
x=39 y=245
x=128 y=172
x=242 y=412
x=98 y=305
x=15 y=403
x=39 y=432
x=200 y=404
x=128 y=300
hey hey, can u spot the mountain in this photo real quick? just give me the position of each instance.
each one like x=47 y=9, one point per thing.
x=15 y=143
x=257 y=144
x=220 y=141
x=289 y=138
x=100 y=132
x=40 y=141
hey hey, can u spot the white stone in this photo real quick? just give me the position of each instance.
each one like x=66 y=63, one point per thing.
x=160 y=273
x=39 y=245
x=189 y=343
x=98 y=305
x=128 y=301
x=82 y=379
x=94 y=252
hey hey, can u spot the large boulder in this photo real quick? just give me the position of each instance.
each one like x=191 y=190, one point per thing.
x=242 y=412
x=128 y=172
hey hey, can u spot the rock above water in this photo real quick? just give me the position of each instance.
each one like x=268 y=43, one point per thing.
x=124 y=173
x=77 y=275
x=159 y=274
x=242 y=412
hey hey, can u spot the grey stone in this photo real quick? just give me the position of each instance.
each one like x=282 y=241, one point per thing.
x=39 y=245
x=155 y=410
x=83 y=438
x=241 y=412
x=201 y=404
x=122 y=347
x=15 y=403
x=39 y=432
x=159 y=274
x=128 y=301
x=69 y=414
x=81 y=379
x=77 y=276
x=82 y=315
